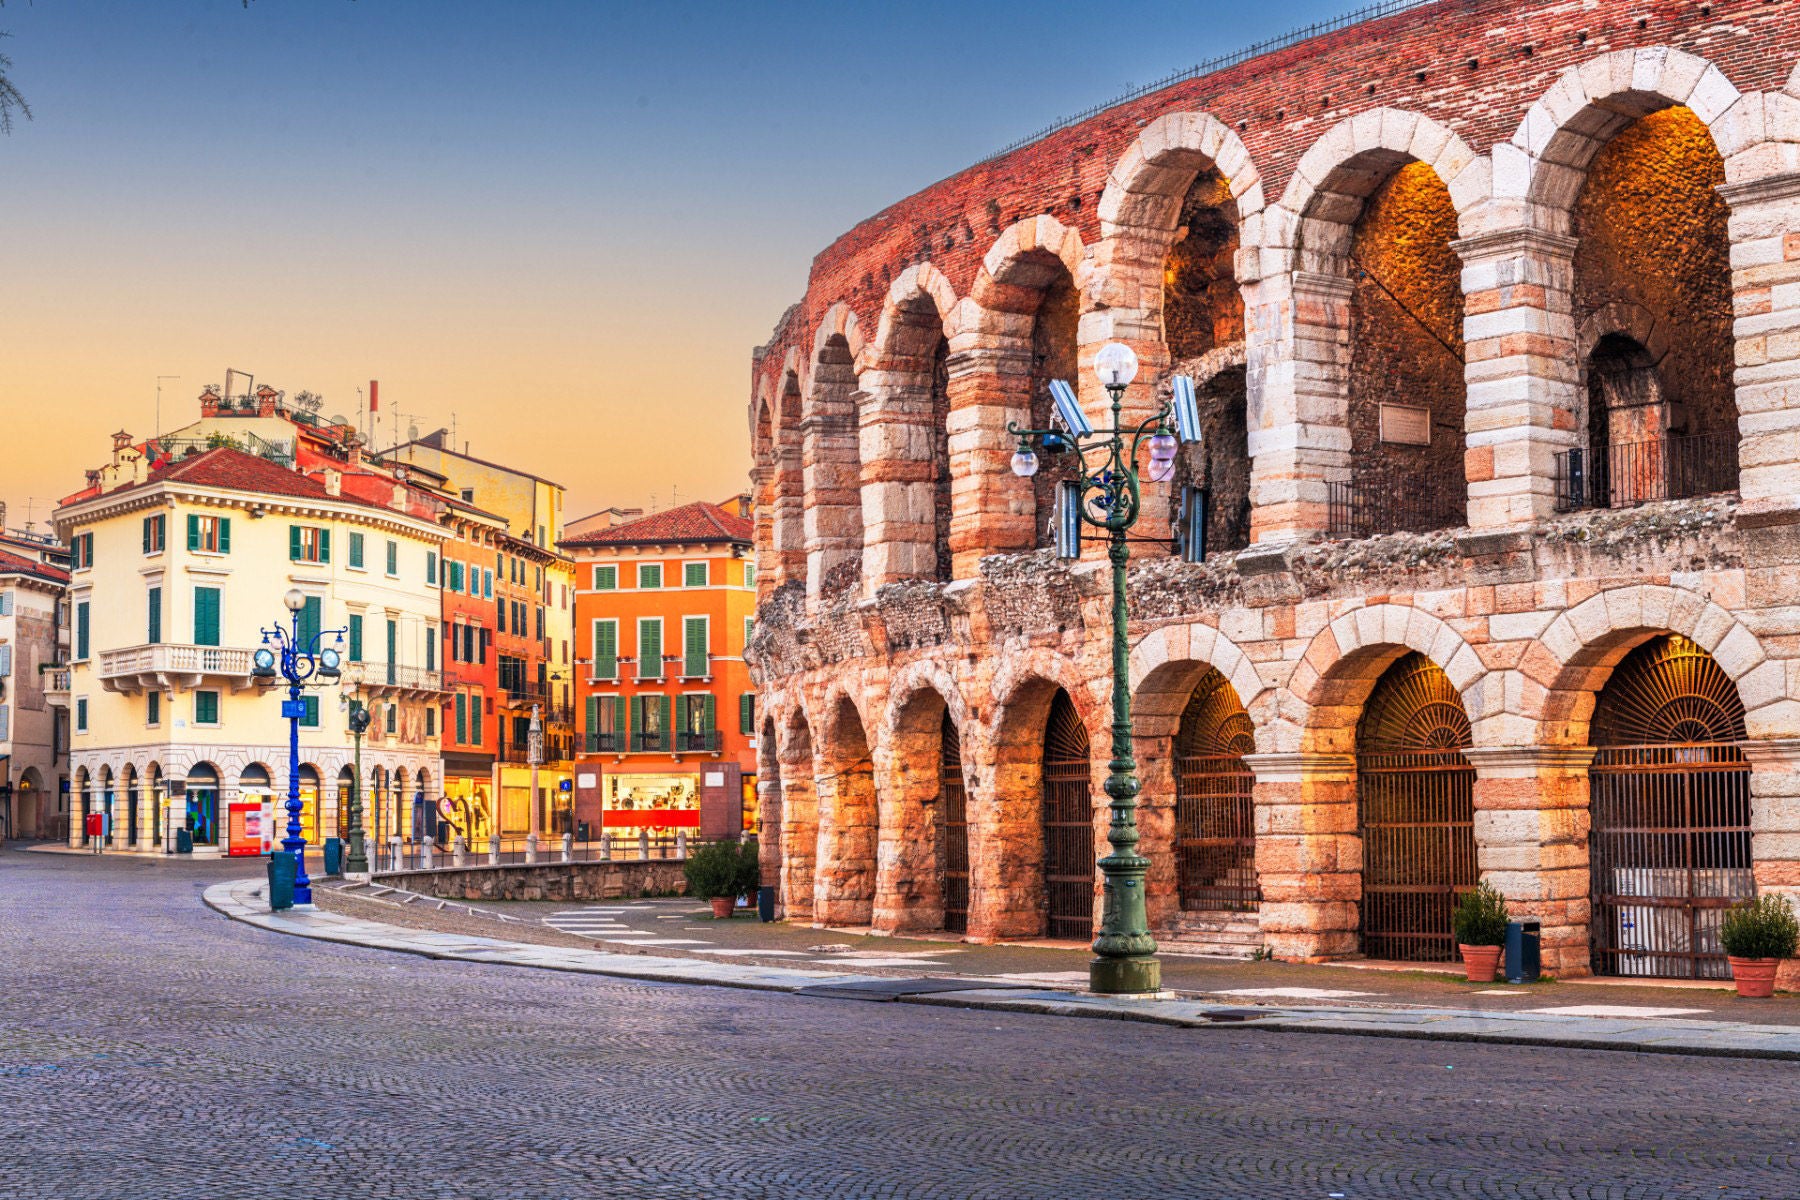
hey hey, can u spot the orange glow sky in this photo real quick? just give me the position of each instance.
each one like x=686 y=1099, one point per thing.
x=567 y=224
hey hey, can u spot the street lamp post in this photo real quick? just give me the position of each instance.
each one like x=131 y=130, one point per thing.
x=283 y=653
x=357 y=861
x=1105 y=494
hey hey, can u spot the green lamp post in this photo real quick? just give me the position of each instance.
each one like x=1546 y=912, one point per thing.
x=1104 y=493
x=356 y=861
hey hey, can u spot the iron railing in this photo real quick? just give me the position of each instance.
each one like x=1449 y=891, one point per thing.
x=407 y=854
x=1631 y=473
x=697 y=741
x=1360 y=508
x=650 y=741
x=604 y=743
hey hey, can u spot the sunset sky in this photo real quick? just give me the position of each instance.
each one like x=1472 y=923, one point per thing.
x=563 y=224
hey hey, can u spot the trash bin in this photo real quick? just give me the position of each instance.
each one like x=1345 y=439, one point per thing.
x=1523 y=961
x=282 y=870
x=334 y=856
x=765 y=903
x=184 y=841
x=583 y=832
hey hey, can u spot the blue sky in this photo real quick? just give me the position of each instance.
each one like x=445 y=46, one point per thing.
x=588 y=212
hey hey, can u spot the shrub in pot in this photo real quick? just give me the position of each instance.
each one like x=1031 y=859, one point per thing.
x=1756 y=937
x=1480 y=928
x=715 y=872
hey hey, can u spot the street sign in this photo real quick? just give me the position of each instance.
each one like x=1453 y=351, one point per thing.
x=293 y=710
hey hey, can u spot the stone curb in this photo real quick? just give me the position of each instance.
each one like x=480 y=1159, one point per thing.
x=239 y=900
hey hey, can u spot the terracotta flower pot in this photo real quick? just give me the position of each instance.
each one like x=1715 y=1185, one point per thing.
x=1755 y=977
x=1481 y=963
x=722 y=906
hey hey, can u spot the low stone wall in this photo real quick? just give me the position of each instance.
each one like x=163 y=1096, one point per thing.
x=546 y=881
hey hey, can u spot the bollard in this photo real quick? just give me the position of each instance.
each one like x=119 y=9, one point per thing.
x=531 y=847
x=644 y=844
x=606 y=846
x=494 y=850
x=395 y=861
x=459 y=851
x=681 y=843
x=568 y=847
x=425 y=847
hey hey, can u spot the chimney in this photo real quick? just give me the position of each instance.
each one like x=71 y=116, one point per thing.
x=265 y=400
x=209 y=403
x=333 y=481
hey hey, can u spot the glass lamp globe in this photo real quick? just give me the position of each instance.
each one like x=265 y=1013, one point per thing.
x=1115 y=364
x=1163 y=445
x=295 y=599
x=1161 y=469
x=1025 y=464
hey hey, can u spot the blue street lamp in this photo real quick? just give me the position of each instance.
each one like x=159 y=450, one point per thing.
x=283 y=653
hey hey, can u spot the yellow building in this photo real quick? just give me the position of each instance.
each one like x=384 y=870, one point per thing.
x=176 y=572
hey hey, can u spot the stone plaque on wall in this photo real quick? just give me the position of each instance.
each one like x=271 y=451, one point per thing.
x=1406 y=425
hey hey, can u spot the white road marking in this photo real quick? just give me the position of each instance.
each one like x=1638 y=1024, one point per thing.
x=1614 y=1010
x=1296 y=993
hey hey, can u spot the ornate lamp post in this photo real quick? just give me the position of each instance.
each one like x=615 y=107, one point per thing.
x=1105 y=494
x=356 y=862
x=283 y=652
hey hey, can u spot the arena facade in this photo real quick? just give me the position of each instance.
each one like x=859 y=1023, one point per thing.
x=1494 y=310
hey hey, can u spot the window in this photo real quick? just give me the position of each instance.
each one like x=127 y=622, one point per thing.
x=694 y=721
x=475 y=719
x=206 y=708
x=153 y=617
x=356 y=637
x=393 y=651
x=749 y=628
x=455 y=571
x=649 y=575
x=309 y=543
x=206 y=616
x=312 y=620
x=81 y=631
x=431 y=637
x=431 y=567
x=6 y=604
x=603 y=724
x=393 y=560
x=649 y=648
x=81 y=551
x=155 y=533
x=81 y=714
x=749 y=574
x=500 y=616
x=693 y=574
x=209 y=535
x=747 y=713
x=356 y=551
x=606 y=649
x=487 y=584
x=393 y=718
x=431 y=720
x=695 y=660
x=462 y=717
x=310 y=718
x=153 y=708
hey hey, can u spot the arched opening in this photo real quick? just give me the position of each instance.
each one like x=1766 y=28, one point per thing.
x=255 y=787
x=1670 y=845
x=397 y=798
x=1203 y=327
x=833 y=474
x=201 y=795
x=109 y=806
x=1415 y=812
x=844 y=887
x=923 y=879
x=952 y=830
x=1054 y=349
x=789 y=482
x=310 y=825
x=27 y=821
x=1653 y=285
x=1406 y=388
x=429 y=825
x=1068 y=815
x=903 y=424
x=346 y=785
x=1215 y=810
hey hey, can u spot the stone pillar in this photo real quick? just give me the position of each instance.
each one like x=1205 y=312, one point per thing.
x=1006 y=837
x=787 y=526
x=1765 y=299
x=898 y=505
x=844 y=878
x=1156 y=829
x=992 y=510
x=1521 y=372
x=799 y=837
x=1775 y=825
x=769 y=832
x=1297 y=345
x=1308 y=854
x=1531 y=841
x=908 y=888
x=832 y=523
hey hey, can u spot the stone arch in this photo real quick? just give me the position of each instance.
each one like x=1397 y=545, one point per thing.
x=909 y=889
x=1583 y=645
x=905 y=467
x=770 y=845
x=799 y=814
x=1168 y=661
x=786 y=486
x=844 y=883
x=839 y=321
x=1625 y=317
x=831 y=458
x=1344 y=661
x=27 y=804
x=1144 y=188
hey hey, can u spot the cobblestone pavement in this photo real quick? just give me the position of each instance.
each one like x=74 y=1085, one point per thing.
x=152 y=1048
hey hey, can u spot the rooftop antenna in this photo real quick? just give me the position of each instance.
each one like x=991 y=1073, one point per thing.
x=159 y=383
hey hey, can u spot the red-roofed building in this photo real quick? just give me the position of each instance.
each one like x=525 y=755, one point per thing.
x=664 y=705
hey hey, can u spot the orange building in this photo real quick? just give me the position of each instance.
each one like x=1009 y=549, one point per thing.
x=665 y=706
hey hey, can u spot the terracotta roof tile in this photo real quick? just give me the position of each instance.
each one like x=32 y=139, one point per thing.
x=696 y=522
x=13 y=564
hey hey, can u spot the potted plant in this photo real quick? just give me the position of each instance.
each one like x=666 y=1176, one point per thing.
x=715 y=872
x=1480 y=927
x=1756 y=937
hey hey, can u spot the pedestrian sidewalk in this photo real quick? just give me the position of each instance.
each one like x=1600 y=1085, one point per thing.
x=245 y=900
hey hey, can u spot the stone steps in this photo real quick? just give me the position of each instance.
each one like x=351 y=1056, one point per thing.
x=1218 y=934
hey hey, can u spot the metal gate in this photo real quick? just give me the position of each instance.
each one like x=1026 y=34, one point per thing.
x=1069 y=858
x=1215 y=813
x=1669 y=850
x=1415 y=801
x=953 y=831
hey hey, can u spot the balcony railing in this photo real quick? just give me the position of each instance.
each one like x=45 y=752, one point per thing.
x=381 y=676
x=604 y=743
x=650 y=741
x=697 y=741
x=1360 y=508
x=135 y=668
x=56 y=685
x=1641 y=472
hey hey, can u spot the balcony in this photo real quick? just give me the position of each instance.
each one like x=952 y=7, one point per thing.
x=1362 y=508
x=393 y=679
x=56 y=686
x=604 y=743
x=1620 y=476
x=697 y=742
x=165 y=666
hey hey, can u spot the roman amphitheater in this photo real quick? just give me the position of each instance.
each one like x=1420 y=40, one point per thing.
x=1494 y=312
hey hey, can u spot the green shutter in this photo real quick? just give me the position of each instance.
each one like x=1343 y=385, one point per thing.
x=462 y=718
x=81 y=631
x=662 y=713
x=224 y=535
x=709 y=717
x=747 y=713
x=430 y=648
x=695 y=574
x=311 y=719
x=206 y=616
x=206 y=708
x=393 y=561
x=147 y=521
x=606 y=579
x=693 y=635
x=193 y=531
x=324 y=545
x=431 y=567
x=293 y=543
x=593 y=723
x=606 y=649
x=475 y=719
x=155 y=623
x=683 y=706
x=356 y=550
x=649 y=649
x=356 y=645
x=311 y=620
